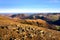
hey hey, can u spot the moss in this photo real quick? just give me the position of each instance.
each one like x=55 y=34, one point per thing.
x=58 y=28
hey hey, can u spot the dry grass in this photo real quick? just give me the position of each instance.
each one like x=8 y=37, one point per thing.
x=11 y=30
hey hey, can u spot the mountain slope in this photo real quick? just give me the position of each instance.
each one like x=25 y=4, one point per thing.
x=37 y=22
x=12 y=30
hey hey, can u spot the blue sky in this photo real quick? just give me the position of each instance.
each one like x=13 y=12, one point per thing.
x=15 y=6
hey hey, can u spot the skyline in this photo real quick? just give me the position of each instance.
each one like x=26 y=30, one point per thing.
x=29 y=6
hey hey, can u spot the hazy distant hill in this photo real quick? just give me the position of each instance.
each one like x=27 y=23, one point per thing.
x=49 y=17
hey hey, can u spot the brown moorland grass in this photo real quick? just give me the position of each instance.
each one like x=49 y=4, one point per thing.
x=11 y=30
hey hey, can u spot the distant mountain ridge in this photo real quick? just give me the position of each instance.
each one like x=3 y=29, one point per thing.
x=49 y=17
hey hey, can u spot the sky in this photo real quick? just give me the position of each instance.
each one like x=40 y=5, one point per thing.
x=29 y=6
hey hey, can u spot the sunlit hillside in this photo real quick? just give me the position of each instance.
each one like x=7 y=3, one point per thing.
x=14 y=30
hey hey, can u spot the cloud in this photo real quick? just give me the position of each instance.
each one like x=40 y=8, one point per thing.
x=28 y=10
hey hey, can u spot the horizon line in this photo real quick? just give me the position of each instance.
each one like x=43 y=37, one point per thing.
x=29 y=10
